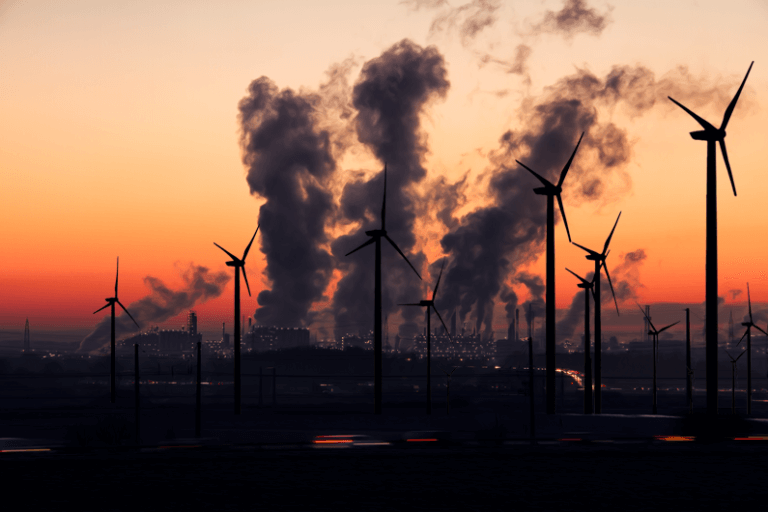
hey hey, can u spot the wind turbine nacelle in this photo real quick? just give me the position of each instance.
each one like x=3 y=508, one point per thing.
x=376 y=232
x=542 y=191
x=708 y=135
x=231 y=263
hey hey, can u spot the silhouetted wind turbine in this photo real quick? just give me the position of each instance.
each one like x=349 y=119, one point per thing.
x=749 y=325
x=599 y=259
x=111 y=302
x=733 y=380
x=238 y=263
x=430 y=305
x=713 y=135
x=376 y=236
x=588 y=287
x=552 y=192
x=655 y=333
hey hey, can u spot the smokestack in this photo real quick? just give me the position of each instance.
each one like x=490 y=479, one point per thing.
x=453 y=324
x=517 y=323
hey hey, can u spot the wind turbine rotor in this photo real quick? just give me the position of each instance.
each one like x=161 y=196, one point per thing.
x=568 y=165
x=727 y=164
x=384 y=202
x=401 y=254
x=562 y=212
x=249 y=243
x=369 y=242
x=127 y=313
x=245 y=277
x=732 y=104
x=611 y=285
x=608 y=240
x=438 y=279
x=103 y=307
x=234 y=258
x=117 y=272
x=441 y=321
x=704 y=124
x=547 y=184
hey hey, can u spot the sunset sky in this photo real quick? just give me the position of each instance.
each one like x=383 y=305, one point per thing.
x=120 y=136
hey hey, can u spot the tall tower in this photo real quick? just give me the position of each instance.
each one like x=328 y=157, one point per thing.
x=26 y=337
x=453 y=324
x=192 y=323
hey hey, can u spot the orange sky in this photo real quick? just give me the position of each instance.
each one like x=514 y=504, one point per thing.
x=120 y=137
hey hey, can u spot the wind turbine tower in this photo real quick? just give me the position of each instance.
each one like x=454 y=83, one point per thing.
x=238 y=263
x=552 y=192
x=430 y=305
x=599 y=259
x=713 y=135
x=111 y=302
x=376 y=236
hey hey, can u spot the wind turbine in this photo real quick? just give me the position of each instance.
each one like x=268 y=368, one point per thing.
x=552 y=192
x=430 y=305
x=749 y=325
x=733 y=380
x=655 y=333
x=599 y=259
x=111 y=302
x=713 y=135
x=376 y=236
x=588 y=286
x=238 y=263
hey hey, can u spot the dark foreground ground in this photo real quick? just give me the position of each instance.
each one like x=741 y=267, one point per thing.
x=510 y=477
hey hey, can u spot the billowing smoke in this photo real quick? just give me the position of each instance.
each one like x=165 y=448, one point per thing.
x=468 y=19
x=290 y=162
x=575 y=17
x=390 y=96
x=490 y=244
x=626 y=282
x=160 y=305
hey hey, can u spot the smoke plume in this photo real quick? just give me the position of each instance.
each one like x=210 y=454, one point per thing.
x=160 y=305
x=575 y=17
x=290 y=162
x=390 y=96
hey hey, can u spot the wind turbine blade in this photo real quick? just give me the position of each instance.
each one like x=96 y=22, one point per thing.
x=101 y=308
x=441 y=321
x=590 y=251
x=744 y=335
x=245 y=276
x=403 y=255
x=369 y=242
x=384 y=202
x=410 y=304
x=612 y=292
x=129 y=315
x=667 y=327
x=562 y=212
x=577 y=276
x=568 y=165
x=729 y=355
x=698 y=119
x=727 y=164
x=749 y=301
x=732 y=105
x=249 y=243
x=541 y=179
x=759 y=329
x=117 y=272
x=608 y=241
x=226 y=251
x=740 y=355
x=438 y=279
